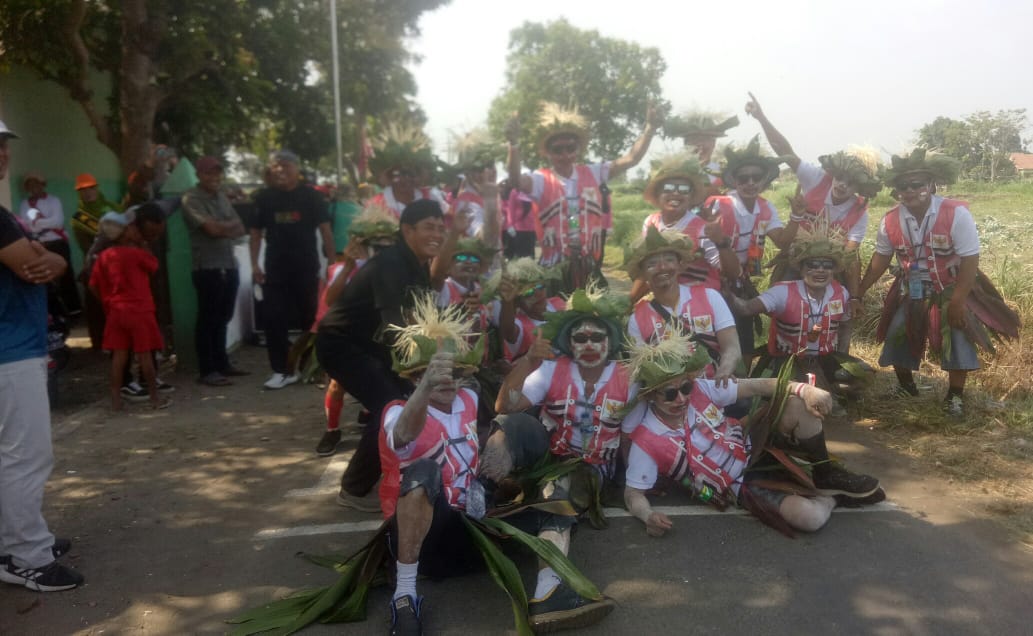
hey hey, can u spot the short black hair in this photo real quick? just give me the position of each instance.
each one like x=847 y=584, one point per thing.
x=149 y=213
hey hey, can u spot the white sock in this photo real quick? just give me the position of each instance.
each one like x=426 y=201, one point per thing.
x=405 y=584
x=547 y=582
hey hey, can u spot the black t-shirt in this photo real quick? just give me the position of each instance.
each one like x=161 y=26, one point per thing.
x=290 y=219
x=10 y=230
x=377 y=295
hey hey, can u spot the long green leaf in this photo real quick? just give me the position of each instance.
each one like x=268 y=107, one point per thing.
x=549 y=553
x=275 y=615
x=505 y=574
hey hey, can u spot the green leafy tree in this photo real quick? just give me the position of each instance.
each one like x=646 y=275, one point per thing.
x=982 y=141
x=610 y=81
x=208 y=75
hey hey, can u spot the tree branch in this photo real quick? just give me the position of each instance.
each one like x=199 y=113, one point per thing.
x=79 y=87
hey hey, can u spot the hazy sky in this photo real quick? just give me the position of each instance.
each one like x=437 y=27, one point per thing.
x=827 y=73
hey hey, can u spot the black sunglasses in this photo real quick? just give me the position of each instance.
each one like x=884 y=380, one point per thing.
x=911 y=185
x=670 y=188
x=671 y=394
x=820 y=263
x=582 y=338
x=559 y=149
x=750 y=177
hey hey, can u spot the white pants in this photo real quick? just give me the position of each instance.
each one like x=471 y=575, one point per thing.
x=26 y=458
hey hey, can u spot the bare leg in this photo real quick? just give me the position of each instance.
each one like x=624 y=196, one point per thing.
x=119 y=360
x=807 y=514
x=146 y=363
x=414 y=515
x=796 y=422
x=956 y=380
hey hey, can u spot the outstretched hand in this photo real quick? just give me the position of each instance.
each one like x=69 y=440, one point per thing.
x=753 y=108
x=817 y=401
x=654 y=116
x=507 y=289
x=658 y=524
x=541 y=348
x=438 y=375
x=512 y=129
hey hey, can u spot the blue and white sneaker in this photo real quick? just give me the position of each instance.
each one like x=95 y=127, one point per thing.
x=405 y=616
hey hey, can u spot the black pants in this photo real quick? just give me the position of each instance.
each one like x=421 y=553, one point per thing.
x=216 y=300
x=69 y=292
x=286 y=298
x=519 y=245
x=364 y=370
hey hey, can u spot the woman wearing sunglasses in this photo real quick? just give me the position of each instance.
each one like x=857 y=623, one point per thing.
x=678 y=435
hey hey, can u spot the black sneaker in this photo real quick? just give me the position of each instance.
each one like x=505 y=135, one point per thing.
x=59 y=549
x=165 y=387
x=405 y=616
x=133 y=392
x=842 y=501
x=837 y=480
x=328 y=445
x=904 y=391
x=52 y=577
x=562 y=608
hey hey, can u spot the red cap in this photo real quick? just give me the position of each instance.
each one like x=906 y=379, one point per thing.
x=85 y=180
x=208 y=164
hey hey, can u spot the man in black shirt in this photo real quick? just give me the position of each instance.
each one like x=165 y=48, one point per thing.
x=353 y=344
x=288 y=213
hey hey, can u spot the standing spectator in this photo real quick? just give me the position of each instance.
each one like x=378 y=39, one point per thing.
x=29 y=551
x=121 y=279
x=345 y=209
x=49 y=226
x=213 y=225
x=92 y=206
x=288 y=214
x=521 y=215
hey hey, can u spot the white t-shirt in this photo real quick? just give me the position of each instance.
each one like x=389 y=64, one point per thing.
x=601 y=171
x=723 y=317
x=746 y=220
x=775 y=298
x=963 y=234
x=396 y=205
x=51 y=220
x=710 y=251
x=476 y=213
x=810 y=175
x=537 y=385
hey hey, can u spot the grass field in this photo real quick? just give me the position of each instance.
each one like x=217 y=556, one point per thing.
x=988 y=453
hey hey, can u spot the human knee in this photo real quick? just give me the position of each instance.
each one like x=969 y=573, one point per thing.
x=797 y=421
x=807 y=515
x=421 y=476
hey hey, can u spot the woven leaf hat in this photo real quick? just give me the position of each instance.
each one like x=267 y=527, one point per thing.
x=428 y=325
x=475 y=247
x=942 y=168
x=476 y=149
x=654 y=364
x=595 y=303
x=698 y=124
x=821 y=241
x=524 y=272
x=657 y=242
x=679 y=166
x=554 y=120
x=400 y=146
x=749 y=156
x=857 y=165
x=374 y=224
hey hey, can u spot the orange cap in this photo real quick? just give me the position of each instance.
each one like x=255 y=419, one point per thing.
x=85 y=180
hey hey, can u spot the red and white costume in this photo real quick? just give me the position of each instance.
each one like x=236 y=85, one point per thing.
x=747 y=228
x=706 y=269
x=850 y=217
x=386 y=199
x=450 y=439
x=585 y=426
x=555 y=195
x=525 y=329
x=794 y=314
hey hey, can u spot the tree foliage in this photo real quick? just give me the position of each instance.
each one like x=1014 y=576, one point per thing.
x=204 y=76
x=982 y=141
x=610 y=81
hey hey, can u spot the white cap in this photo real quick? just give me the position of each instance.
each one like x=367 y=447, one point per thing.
x=6 y=132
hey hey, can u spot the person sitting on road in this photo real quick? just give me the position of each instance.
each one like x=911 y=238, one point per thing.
x=679 y=435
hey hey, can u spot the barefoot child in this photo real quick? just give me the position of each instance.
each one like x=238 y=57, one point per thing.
x=121 y=279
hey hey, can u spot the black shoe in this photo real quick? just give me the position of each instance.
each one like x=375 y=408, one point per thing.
x=233 y=372
x=836 y=480
x=135 y=393
x=52 y=577
x=405 y=616
x=904 y=391
x=364 y=416
x=562 y=608
x=328 y=445
x=59 y=549
x=842 y=501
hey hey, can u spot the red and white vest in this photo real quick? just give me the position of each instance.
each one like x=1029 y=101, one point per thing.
x=527 y=327
x=696 y=316
x=719 y=451
x=560 y=413
x=699 y=271
x=725 y=208
x=452 y=294
x=815 y=199
x=670 y=452
x=433 y=442
x=554 y=217
x=937 y=247
x=790 y=328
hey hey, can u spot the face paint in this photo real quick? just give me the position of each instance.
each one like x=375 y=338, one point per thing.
x=590 y=344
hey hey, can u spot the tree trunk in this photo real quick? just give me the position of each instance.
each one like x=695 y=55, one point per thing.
x=139 y=94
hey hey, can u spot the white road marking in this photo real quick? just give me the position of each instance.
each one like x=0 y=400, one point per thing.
x=329 y=482
x=270 y=534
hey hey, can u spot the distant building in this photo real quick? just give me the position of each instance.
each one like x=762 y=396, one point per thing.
x=1023 y=162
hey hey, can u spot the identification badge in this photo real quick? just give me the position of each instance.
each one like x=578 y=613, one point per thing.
x=702 y=323
x=612 y=409
x=940 y=241
x=836 y=307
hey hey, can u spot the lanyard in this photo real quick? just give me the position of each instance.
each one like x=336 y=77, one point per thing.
x=923 y=231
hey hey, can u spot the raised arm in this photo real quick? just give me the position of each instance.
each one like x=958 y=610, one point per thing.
x=778 y=142
x=641 y=145
x=511 y=398
x=414 y=414
x=519 y=181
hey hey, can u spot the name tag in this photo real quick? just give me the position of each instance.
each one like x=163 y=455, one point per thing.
x=940 y=241
x=835 y=307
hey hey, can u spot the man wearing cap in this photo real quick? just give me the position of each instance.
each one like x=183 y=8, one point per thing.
x=48 y=224
x=28 y=551
x=353 y=341
x=287 y=215
x=85 y=223
x=214 y=226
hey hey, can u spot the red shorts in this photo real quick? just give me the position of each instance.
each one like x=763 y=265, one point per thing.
x=132 y=331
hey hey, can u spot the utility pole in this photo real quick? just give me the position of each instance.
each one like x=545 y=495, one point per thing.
x=337 y=91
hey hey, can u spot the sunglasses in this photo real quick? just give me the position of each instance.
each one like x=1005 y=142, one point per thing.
x=531 y=292
x=467 y=258
x=670 y=394
x=560 y=149
x=911 y=185
x=750 y=177
x=820 y=263
x=582 y=338
x=671 y=188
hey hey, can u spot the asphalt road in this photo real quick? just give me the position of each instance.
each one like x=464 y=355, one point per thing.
x=184 y=518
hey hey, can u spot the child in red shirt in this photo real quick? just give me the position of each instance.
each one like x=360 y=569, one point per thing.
x=121 y=279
